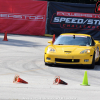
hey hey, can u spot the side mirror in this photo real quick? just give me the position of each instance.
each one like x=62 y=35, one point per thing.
x=50 y=42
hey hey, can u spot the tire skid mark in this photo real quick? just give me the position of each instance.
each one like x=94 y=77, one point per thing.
x=25 y=71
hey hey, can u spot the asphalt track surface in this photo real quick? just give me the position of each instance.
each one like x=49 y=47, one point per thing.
x=24 y=56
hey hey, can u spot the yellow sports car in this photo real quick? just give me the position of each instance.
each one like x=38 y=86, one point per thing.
x=72 y=48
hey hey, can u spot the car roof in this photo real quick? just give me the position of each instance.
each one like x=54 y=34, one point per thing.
x=75 y=34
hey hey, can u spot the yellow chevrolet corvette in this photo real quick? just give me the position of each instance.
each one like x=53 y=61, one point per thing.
x=72 y=48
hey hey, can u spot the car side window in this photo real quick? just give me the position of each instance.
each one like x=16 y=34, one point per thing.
x=92 y=42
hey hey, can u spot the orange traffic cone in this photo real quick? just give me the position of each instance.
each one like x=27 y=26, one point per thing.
x=53 y=39
x=17 y=79
x=5 y=36
x=59 y=81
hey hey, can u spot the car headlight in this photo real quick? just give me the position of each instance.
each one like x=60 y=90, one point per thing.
x=50 y=49
x=85 y=51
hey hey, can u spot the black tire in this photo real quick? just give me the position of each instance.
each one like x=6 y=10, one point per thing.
x=93 y=62
x=98 y=63
x=47 y=64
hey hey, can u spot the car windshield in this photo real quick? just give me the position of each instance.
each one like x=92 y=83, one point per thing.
x=73 y=40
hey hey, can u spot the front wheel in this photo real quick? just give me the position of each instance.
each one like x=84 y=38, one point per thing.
x=98 y=63
x=93 y=62
x=47 y=64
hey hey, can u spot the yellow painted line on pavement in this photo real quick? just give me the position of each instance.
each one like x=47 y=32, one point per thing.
x=25 y=71
x=49 y=35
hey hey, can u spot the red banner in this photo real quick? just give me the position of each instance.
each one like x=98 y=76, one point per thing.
x=23 y=16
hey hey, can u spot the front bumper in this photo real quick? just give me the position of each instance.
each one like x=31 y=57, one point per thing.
x=69 y=59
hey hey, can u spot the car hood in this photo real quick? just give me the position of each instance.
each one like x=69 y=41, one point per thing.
x=70 y=48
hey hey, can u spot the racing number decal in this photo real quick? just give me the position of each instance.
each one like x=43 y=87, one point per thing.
x=97 y=52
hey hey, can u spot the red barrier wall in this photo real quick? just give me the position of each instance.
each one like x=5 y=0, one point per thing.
x=23 y=16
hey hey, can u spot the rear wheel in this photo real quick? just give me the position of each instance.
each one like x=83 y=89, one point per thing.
x=93 y=62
